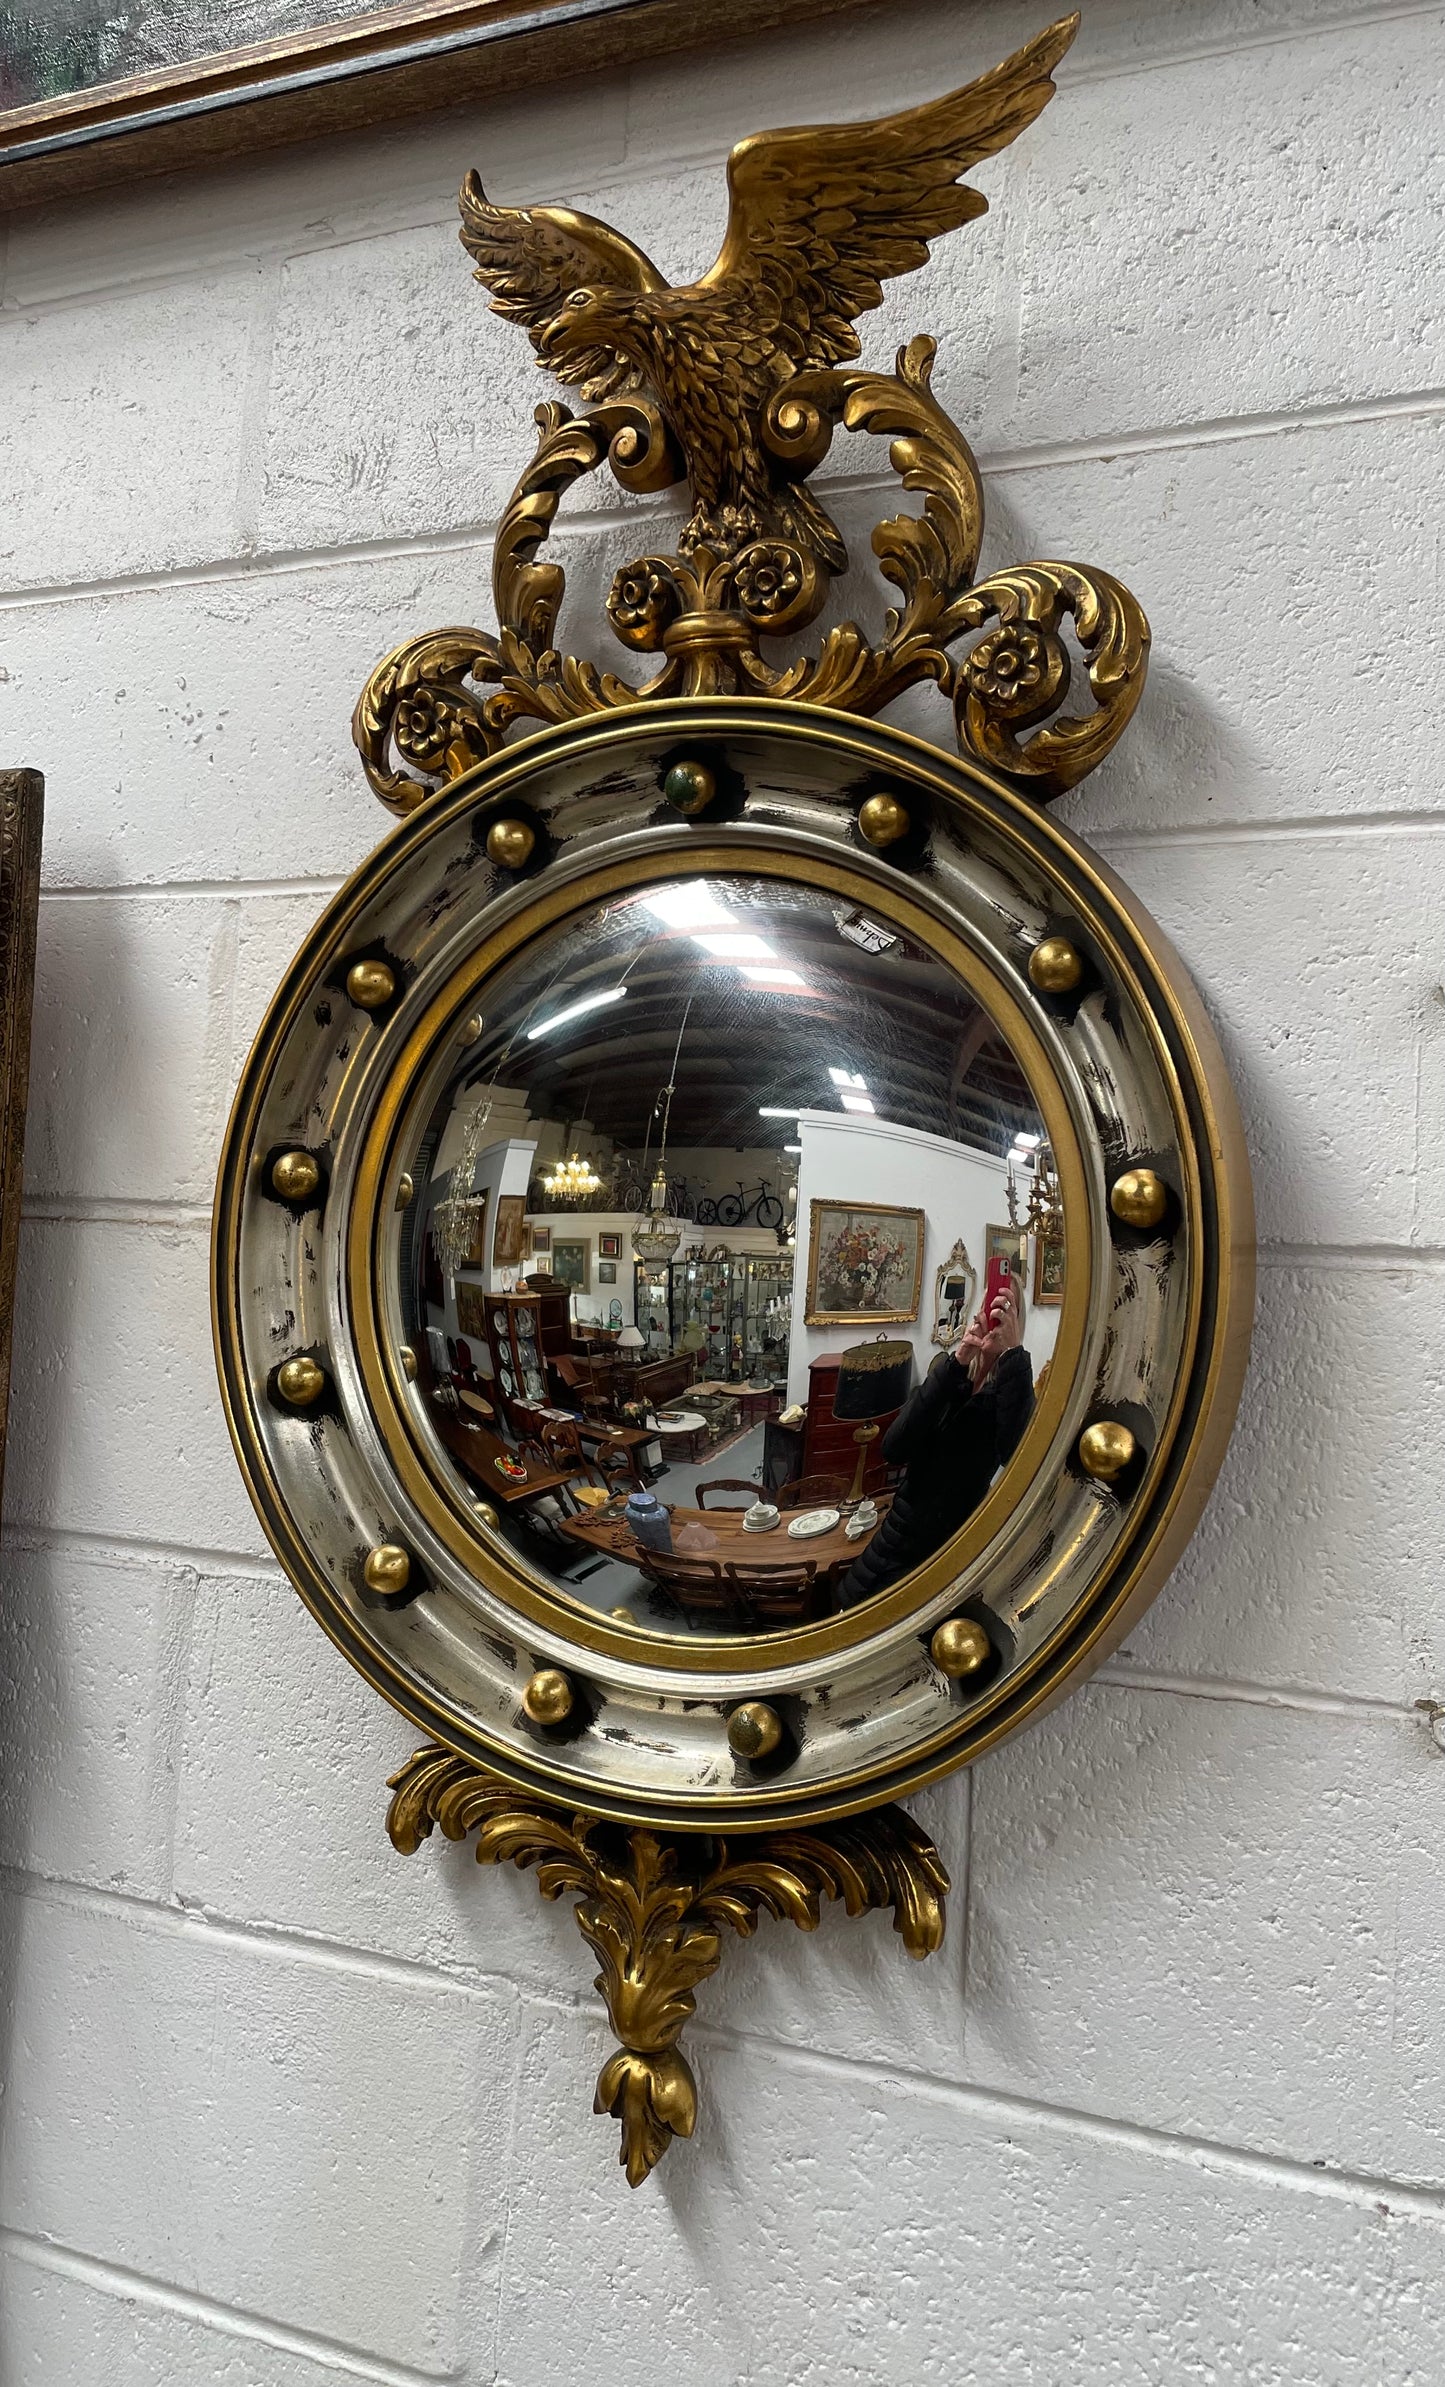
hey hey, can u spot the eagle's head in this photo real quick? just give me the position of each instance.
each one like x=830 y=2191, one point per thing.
x=586 y=319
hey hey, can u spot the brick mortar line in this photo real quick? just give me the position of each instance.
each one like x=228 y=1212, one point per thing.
x=1006 y=2106
x=1295 y=1698
x=1068 y=2121
x=1323 y=828
x=227 y=2320
x=1056 y=455
x=264 y=256
x=636 y=163
x=260 y=1568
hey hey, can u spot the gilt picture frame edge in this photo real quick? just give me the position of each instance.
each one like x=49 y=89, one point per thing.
x=343 y=76
x=813 y=1316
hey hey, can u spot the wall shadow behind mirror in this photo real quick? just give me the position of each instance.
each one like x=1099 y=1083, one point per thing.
x=706 y=1145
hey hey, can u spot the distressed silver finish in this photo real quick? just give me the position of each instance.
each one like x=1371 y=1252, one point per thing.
x=875 y=1717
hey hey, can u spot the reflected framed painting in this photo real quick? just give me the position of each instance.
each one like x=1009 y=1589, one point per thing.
x=96 y=92
x=865 y=1264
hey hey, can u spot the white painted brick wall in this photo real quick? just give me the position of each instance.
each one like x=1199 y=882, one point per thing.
x=282 y=2107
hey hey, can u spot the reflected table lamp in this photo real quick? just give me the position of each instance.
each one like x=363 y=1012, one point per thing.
x=630 y=1342
x=874 y=1379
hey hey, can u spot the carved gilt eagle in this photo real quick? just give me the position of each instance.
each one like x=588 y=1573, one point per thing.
x=819 y=217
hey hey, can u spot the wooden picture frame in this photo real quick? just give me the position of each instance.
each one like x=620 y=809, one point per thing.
x=541 y=1240
x=22 y=806
x=477 y=1248
x=472 y=1303
x=858 y=1248
x=609 y=1247
x=337 y=75
x=507 y=1235
x=572 y=1264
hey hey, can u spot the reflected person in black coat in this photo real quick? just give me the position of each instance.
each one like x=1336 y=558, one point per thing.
x=955 y=1430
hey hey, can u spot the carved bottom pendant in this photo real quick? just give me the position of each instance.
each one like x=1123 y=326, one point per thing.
x=652 y=1907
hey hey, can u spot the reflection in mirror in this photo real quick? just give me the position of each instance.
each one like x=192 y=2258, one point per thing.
x=709 y=1143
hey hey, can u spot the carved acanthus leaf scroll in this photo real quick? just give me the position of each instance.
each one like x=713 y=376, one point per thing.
x=652 y=1906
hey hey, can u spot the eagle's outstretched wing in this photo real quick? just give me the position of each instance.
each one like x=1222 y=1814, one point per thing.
x=531 y=257
x=821 y=216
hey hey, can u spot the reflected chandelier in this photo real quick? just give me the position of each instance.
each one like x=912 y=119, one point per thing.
x=571 y=1180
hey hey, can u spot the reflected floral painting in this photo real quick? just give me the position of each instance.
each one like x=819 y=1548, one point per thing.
x=49 y=48
x=863 y=1264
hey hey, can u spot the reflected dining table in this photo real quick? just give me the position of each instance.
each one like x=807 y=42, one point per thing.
x=760 y=1559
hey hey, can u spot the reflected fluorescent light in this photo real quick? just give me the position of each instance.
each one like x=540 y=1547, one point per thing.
x=856 y=1102
x=781 y=981
x=792 y=1147
x=738 y=948
x=544 y=1027
x=1027 y=1143
x=693 y=905
x=849 y=1077
x=768 y=1113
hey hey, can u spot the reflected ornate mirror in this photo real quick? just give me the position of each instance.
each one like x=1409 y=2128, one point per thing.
x=624 y=1299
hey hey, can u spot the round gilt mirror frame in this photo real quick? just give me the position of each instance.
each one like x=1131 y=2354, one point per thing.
x=680 y=1785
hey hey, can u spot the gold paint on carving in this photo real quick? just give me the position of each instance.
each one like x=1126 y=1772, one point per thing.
x=1055 y=967
x=882 y=820
x=295 y=1176
x=408 y=1362
x=1139 y=1198
x=485 y=1514
x=737 y=383
x=548 y=1696
x=652 y=1907
x=1105 y=1450
x=370 y=984
x=387 y=1569
x=960 y=1648
x=300 y=1382
x=754 y=1729
x=511 y=844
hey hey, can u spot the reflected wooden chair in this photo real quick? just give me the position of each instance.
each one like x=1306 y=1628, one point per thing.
x=779 y=1596
x=813 y=1491
x=727 y=1483
x=697 y=1585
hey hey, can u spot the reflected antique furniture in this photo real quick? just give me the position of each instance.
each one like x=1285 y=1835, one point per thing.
x=22 y=804
x=680 y=1784
x=753 y=1566
x=525 y=1332
x=830 y=1443
x=746 y=1489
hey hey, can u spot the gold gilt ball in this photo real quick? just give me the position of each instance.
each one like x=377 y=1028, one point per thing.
x=510 y=844
x=548 y=1696
x=370 y=984
x=300 y=1382
x=754 y=1729
x=882 y=820
x=485 y=1515
x=960 y=1648
x=387 y=1570
x=1055 y=967
x=1105 y=1450
x=1139 y=1198
x=295 y=1176
x=689 y=787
